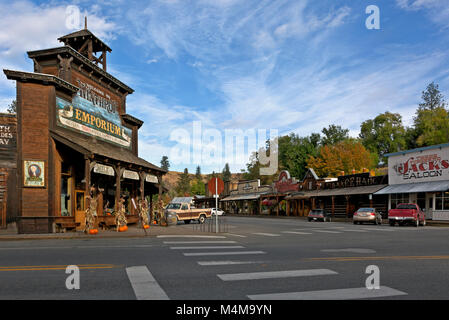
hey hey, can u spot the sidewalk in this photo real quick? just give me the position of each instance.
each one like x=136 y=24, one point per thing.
x=132 y=232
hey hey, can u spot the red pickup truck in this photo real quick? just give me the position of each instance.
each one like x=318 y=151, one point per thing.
x=407 y=213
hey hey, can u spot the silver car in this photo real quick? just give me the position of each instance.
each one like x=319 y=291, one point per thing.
x=370 y=215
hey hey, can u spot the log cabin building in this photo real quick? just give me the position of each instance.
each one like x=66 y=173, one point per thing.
x=73 y=132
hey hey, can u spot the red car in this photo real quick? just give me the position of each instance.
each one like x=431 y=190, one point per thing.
x=407 y=213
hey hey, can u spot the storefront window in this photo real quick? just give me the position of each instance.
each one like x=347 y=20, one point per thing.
x=397 y=198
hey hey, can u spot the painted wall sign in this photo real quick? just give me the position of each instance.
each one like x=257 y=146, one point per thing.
x=248 y=186
x=83 y=116
x=355 y=180
x=286 y=183
x=425 y=166
x=34 y=173
x=102 y=169
x=127 y=174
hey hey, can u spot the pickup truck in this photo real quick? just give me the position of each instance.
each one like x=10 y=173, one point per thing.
x=186 y=212
x=407 y=213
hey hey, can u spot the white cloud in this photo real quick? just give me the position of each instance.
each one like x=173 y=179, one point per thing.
x=437 y=10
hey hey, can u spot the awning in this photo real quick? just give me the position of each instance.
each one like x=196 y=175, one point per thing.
x=434 y=186
x=86 y=145
x=241 y=197
x=338 y=192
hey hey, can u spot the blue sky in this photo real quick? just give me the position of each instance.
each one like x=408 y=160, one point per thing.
x=294 y=66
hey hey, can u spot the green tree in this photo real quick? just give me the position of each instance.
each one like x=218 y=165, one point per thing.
x=198 y=187
x=198 y=175
x=183 y=185
x=165 y=164
x=431 y=122
x=334 y=134
x=383 y=134
x=12 y=108
x=226 y=174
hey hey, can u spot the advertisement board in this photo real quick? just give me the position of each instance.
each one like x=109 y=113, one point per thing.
x=422 y=166
x=84 y=116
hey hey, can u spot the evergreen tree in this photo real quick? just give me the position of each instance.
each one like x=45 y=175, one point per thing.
x=183 y=186
x=226 y=174
x=165 y=164
x=12 y=108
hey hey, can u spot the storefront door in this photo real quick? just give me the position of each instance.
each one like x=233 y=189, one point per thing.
x=429 y=205
x=80 y=213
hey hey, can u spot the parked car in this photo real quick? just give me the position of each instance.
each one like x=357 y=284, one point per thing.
x=319 y=215
x=407 y=213
x=186 y=212
x=370 y=215
x=219 y=212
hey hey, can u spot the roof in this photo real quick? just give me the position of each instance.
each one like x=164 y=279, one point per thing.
x=338 y=192
x=434 y=186
x=182 y=200
x=239 y=197
x=86 y=62
x=437 y=146
x=90 y=146
x=41 y=78
x=98 y=44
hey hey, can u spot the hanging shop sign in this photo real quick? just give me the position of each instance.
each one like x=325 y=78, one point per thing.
x=151 y=178
x=84 y=116
x=127 y=174
x=286 y=183
x=421 y=166
x=102 y=169
x=34 y=175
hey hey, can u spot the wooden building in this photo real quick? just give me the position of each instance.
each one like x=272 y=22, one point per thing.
x=8 y=168
x=73 y=132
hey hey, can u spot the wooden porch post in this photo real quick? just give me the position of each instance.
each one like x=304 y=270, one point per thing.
x=333 y=206
x=287 y=207
x=347 y=206
x=277 y=206
x=118 y=175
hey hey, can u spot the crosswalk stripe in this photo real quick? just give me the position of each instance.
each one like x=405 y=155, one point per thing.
x=378 y=229
x=337 y=294
x=266 y=234
x=236 y=235
x=275 y=274
x=326 y=231
x=295 y=232
x=223 y=263
x=198 y=242
x=222 y=253
x=207 y=247
x=144 y=285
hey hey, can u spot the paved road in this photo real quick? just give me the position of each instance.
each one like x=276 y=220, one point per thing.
x=258 y=258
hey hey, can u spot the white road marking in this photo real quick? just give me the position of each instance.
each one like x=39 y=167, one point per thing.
x=275 y=274
x=353 y=230
x=192 y=236
x=144 y=285
x=223 y=263
x=207 y=247
x=378 y=229
x=198 y=242
x=338 y=294
x=226 y=253
x=295 y=232
x=267 y=234
x=236 y=235
x=326 y=231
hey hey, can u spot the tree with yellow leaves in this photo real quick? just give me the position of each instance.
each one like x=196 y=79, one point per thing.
x=346 y=155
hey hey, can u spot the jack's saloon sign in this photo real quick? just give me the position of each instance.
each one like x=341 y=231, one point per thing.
x=431 y=165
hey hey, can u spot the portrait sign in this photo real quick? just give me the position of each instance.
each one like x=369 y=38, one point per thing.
x=33 y=172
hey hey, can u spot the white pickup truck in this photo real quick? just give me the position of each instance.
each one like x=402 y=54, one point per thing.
x=186 y=212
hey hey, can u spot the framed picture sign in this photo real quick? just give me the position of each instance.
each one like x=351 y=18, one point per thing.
x=33 y=172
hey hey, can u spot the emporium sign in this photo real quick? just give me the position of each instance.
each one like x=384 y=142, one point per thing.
x=84 y=116
x=425 y=166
